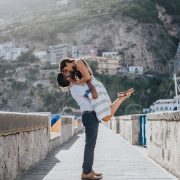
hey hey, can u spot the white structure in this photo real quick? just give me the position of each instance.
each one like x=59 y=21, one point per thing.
x=58 y=52
x=8 y=51
x=165 y=105
x=87 y=50
x=112 y=55
x=42 y=55
x=135 y=69
x=168 y=104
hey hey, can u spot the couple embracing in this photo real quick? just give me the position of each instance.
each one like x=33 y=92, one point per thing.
x=94 y=103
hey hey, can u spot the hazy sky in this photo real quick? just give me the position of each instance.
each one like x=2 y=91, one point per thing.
x=15 y=7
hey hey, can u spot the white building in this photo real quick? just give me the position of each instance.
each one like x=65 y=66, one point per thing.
x=8 y=51
x=166 y=105
x=42 y=55
x=135 y=69
x=87 y=50
x=58 y=52
x=112 y=55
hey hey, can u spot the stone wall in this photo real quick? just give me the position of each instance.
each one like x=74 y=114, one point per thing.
x=163 y=140
x=126 y=126
x=68 y=130
x=129 y=128
x=25 y=140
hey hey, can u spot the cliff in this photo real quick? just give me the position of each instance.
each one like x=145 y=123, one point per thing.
x=143 y=31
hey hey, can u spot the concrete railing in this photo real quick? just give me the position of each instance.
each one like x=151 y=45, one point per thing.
x=126 y=126
x=25 y=140
x=163 y=140
x=68 y=130
x=162 y=133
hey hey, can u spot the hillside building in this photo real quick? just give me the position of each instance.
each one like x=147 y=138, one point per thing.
x=105 y=65
x=42 y=55
x=112 y=55
x=8 y=51
x=58 y=52
x=135 y=69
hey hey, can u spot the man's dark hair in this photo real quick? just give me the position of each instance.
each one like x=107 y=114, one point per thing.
x=62 y=80
x=63 y=63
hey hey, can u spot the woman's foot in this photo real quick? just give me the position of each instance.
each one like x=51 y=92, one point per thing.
x=126 y=93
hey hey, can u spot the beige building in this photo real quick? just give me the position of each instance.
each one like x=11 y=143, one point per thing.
x=105 y=65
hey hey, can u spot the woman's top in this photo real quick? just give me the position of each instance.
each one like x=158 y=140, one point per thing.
x=78 y=73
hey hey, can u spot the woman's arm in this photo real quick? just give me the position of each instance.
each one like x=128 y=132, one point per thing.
x=84 y=71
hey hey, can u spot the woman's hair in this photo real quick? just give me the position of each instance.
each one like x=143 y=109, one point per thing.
x=63 y=62
x=62 y=81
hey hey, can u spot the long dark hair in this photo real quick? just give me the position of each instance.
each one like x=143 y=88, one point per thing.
x=63 y=62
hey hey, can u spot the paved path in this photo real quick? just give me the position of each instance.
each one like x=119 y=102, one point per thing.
x=113 y=156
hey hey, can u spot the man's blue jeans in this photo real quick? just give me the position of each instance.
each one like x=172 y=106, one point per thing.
x=91 y=125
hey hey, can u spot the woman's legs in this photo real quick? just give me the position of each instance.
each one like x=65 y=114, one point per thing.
x=115 y=105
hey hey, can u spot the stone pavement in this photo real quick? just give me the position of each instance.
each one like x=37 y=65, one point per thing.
x=114 y=157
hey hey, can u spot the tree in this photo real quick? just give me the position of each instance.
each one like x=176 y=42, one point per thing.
x=28 y=57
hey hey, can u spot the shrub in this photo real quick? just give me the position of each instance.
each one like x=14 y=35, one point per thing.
x=28 y=57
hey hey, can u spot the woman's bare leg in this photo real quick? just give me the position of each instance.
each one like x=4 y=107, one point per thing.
x=116 y=104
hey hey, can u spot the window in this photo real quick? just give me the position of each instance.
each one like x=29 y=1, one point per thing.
x=162 y=109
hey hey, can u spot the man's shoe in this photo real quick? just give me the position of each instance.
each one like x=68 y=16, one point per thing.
x=90 y=176
x=96 y=173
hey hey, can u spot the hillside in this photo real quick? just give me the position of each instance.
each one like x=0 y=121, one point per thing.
x=29 y=86
x=137 y=28
x=146 y=32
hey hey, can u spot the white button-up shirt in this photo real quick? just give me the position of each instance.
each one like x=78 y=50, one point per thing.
x=77 y=92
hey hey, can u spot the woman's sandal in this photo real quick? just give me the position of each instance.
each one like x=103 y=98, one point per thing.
x=123 y=94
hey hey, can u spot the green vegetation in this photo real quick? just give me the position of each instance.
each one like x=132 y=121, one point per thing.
x=142 y=10
x=16 y=85
x=32 y=74
x=54 y=102
x=6 y=69
x=28 y=57
x=172 y=6
x=147 y=91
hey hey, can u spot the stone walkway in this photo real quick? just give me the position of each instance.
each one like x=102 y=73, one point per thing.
x=113 y=156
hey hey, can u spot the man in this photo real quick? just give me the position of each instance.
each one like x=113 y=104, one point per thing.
x=90 y=121
x=91 y=125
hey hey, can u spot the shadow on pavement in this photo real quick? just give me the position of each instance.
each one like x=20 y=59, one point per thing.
x=40 y=170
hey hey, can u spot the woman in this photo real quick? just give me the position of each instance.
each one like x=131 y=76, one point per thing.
x=102 y=106
x=81 y=70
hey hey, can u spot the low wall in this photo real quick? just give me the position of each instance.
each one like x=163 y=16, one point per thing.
x=115 y=124
x=68 y=130
x=163 y=140
x=129 y=128
x=126 y=126
x=25 y=140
